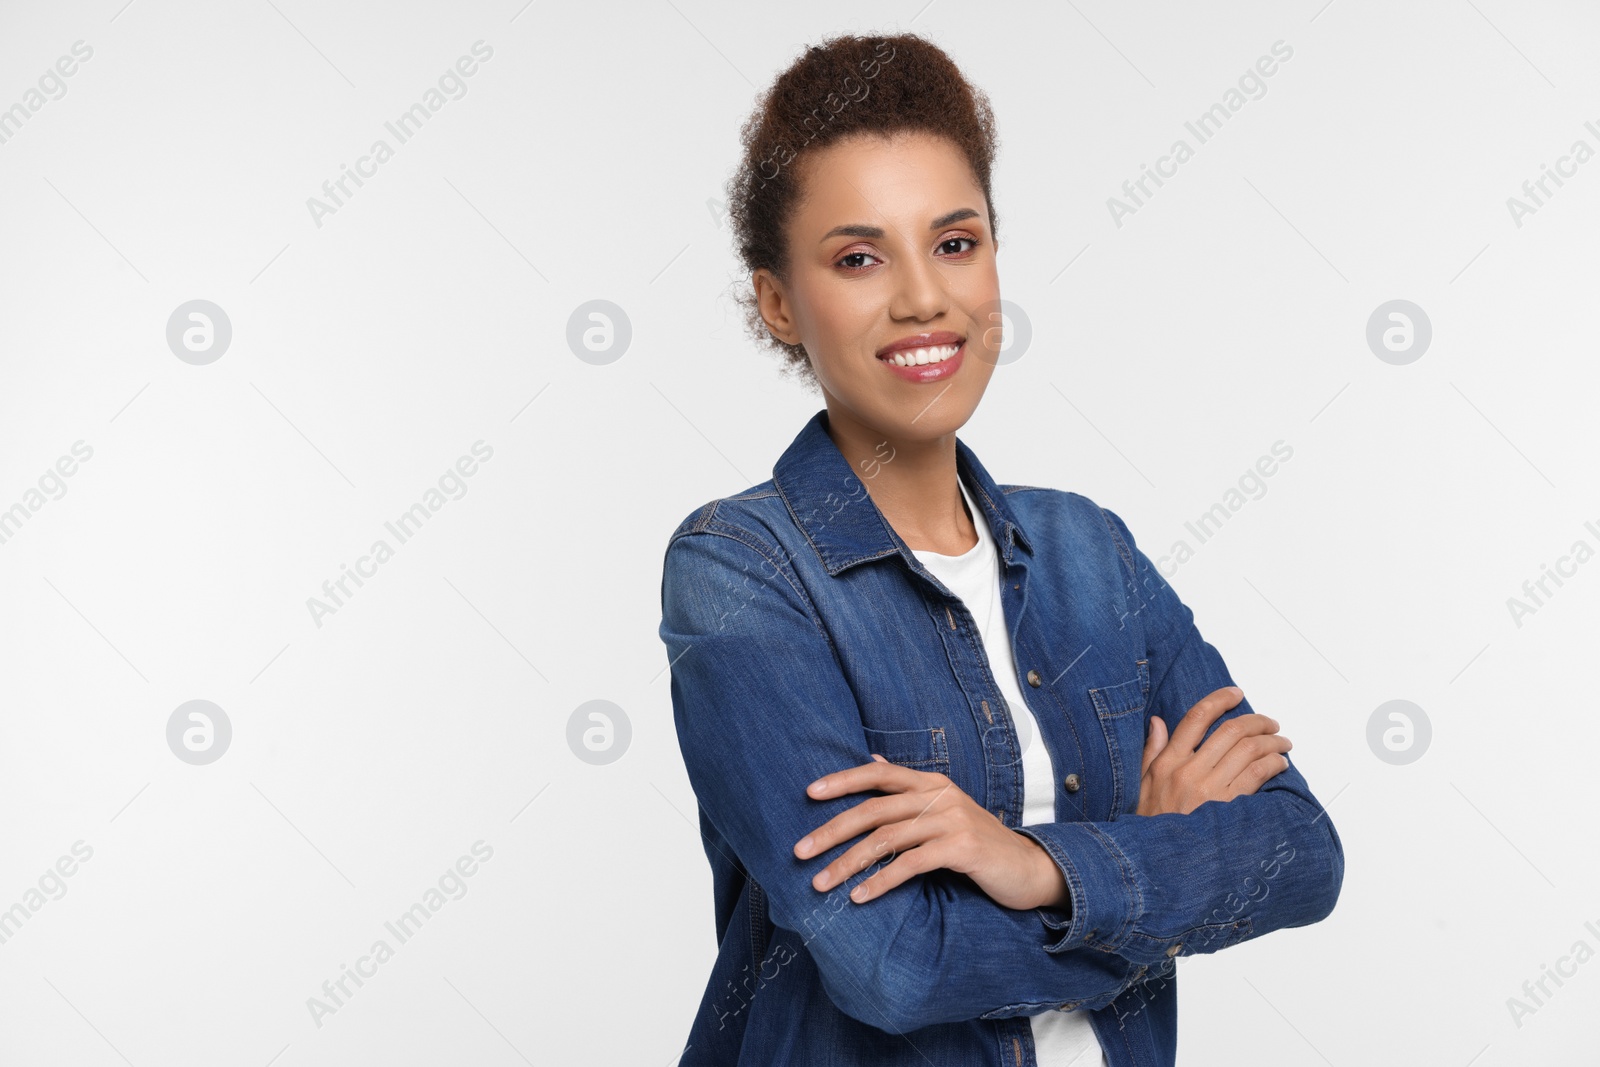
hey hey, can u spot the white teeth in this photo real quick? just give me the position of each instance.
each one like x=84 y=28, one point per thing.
x=913 y=357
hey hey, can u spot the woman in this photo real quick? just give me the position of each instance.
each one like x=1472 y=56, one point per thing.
x=969 y=778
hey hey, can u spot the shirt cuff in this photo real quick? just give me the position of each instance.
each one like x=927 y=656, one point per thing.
x=1101 y=885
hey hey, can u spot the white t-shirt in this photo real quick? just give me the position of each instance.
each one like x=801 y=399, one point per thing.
x=1061 y=1038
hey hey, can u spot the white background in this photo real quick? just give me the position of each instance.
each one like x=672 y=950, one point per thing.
x=586 y=161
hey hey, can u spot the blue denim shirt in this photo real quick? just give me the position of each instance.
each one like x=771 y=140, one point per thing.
x=804 y=635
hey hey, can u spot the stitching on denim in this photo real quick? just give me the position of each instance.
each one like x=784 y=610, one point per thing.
x=1075 y=888
x=1105 y=715
x=806 y=533
x=760 y=547
x=1103 y=706
x=1126 y=1044
x=1125 y=872
x=974 y=646
x=1013 y=748
x=1109 y=727
x=760 y=935
x=1122 y=546
x=1204 y=933
x=1132 y=890
x=693 y=522
x=987 y=499
x=1138 y=616
x=939 y=758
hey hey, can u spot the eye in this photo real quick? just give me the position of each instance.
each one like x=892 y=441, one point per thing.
x=851 y=262
x=853 y=267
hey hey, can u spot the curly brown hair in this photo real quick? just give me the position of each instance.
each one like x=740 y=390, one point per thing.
x=847 y=85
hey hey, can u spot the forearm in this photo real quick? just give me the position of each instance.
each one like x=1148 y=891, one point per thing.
x=937 y=949
x=1155 y=886
x=1152 y=887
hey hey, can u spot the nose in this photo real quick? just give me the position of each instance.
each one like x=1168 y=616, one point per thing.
x=919 y=288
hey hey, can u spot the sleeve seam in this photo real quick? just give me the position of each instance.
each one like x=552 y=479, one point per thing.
x=766 y=552
x=1122 y=546
x=1139 y=589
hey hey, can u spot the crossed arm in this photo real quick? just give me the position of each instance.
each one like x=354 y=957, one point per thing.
x=927 y=822
x=760 y=716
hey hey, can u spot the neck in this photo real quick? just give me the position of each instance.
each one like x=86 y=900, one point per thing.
x=913 y=482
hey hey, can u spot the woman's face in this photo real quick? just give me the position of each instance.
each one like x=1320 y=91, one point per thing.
x=889 y=243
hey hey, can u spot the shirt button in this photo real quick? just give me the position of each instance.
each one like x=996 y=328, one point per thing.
x=1072 y=782
x=1174 y=950
x=1033 y=679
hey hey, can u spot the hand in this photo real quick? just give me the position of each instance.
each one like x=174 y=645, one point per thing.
x=1234 y=761
x=926 y=822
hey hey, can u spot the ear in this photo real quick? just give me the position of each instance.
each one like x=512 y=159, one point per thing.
x=773 y=304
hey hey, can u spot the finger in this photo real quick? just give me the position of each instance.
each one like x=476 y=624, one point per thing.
x=1246 y=752
x=877 y=774
x=879 y=847
x=1229 y=735
x=909 y=863
x=1257 y=774
x=1154 y=743
x=1206 y=711
x=869 y=814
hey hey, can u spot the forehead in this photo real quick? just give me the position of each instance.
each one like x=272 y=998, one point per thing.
x=905 y=174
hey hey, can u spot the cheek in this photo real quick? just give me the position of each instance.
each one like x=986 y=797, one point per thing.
x=837 y=322
x=978 y=288
x=846 y=314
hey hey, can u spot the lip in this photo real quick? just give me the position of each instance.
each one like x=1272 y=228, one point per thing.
x=929 y=372
x=921 y=340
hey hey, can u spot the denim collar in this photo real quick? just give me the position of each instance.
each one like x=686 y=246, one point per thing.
x=826 y=499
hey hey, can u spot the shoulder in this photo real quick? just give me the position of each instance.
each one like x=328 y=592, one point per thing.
x=752 y=516
x=744 y=543
x=1057 y=513
x=758 y=519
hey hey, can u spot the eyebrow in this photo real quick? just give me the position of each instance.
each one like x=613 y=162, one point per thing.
x=876 y=232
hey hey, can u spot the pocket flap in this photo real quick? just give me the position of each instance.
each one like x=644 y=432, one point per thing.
x=921 y=750
x=1124 y=697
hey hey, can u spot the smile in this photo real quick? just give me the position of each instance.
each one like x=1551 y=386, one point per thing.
x=928 y=363
x=916 y=357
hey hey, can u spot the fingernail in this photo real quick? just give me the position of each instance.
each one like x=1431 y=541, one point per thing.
x=805 y=844
x=858 y=894
x=818 y=787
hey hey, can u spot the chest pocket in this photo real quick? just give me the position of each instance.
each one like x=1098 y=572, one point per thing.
x=921 y=750
x=1121 y=711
